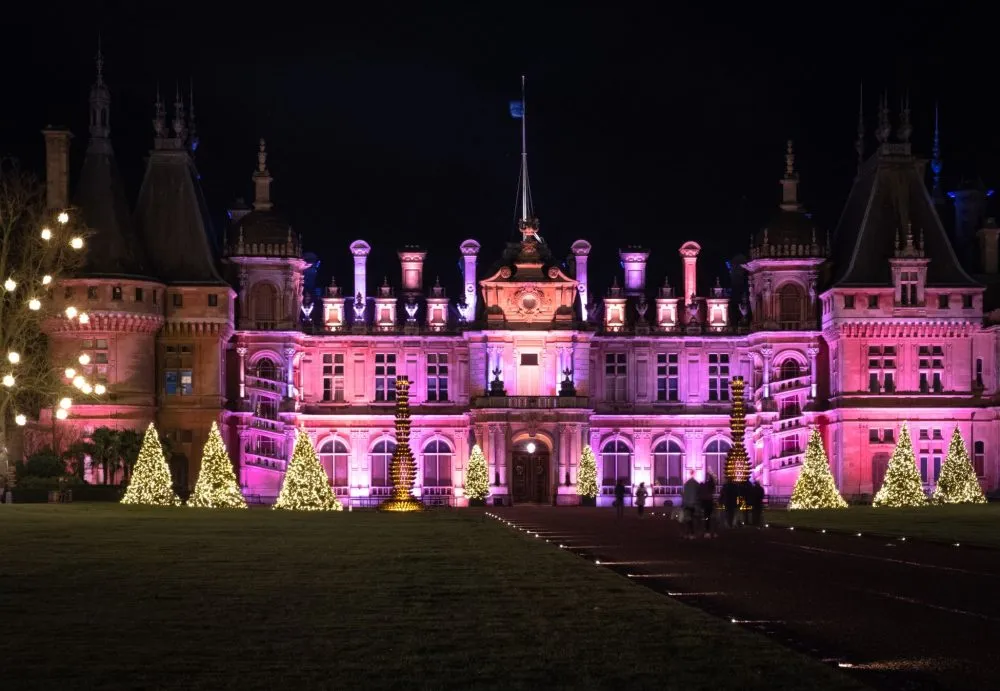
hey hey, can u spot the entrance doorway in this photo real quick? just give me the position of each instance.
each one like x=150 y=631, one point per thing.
x=530 y=482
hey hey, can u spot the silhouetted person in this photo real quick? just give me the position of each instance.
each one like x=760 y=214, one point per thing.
x=620 y=498
x=640 y=497
x=730 y=496
x=756 y=493
x=689 y=503
x=706 y=497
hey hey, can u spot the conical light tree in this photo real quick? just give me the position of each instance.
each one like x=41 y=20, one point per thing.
x=477 y=476
x=586 y=477
x=306 y=486
x=403 y=468
x=216 y=487
x=151 y=483
x=815 y=488
x=737 y=462
x=901 y=486
x=957 y=483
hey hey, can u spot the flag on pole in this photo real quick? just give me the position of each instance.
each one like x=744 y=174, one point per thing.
x=517 y=109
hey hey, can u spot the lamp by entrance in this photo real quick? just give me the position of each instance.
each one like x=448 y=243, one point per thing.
x=530 y=482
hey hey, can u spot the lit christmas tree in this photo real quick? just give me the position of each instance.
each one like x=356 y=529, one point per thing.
x=586 y=477
x=737 y=462
x=815 y=488
x=477 y=476
x=306 y=486
x=403 y=468
x=901 y=486
x=216 y=487
x=957 y=483
x=151 y=483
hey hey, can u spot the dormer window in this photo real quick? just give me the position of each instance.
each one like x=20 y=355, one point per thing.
x=908 y=288
x=943 y=301
x=873 y=302
x=967 y=302
x=116 y=293
x=848 y=302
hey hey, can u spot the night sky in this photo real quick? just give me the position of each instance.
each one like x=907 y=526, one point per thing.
x=382 y=124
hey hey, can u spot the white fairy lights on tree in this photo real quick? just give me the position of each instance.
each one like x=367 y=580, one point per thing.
x=40 y=247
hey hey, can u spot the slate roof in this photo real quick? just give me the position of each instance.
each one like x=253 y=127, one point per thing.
x=173 y=223
x=888 y=194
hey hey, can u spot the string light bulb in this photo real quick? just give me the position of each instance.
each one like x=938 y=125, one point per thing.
x=84 y=318
x=8 y=380
x=79 y=381
x=46 y=234
x=70 y=372
x=99 y=389
x=62 y=413
x=20 y=419
x=86 y=388
x=14 y=357
x=46 y=279
x=64 y=218
x=10 y=284
x=70 y=312
x=34 y=304
x=84 y=359
x=76 y=243
x=66 y=403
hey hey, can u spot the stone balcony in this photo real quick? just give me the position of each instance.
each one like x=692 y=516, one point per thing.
x=531 y=402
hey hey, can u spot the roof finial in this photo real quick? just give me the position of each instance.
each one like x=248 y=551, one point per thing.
x=192 y=127
x=100 y=105
x=790 y=183
x=262 y=180
x=905 y=130
x=527 y=223
x=936 y=163
x=100 y=62
x=909 y=236
x=160 y=119
x=180 y=131
x=859 y=144
x=884 y=128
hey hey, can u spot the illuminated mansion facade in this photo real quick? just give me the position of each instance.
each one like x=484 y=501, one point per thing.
x=855 y=334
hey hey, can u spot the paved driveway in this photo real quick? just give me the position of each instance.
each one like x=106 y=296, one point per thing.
x=901 y=614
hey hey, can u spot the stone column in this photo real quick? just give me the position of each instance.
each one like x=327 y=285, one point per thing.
x=765 y=353
x=242 y=352
x=812 y=351
x=555 y=464
x=290 y=372
x=766 y=454
x=642 y=459
x=692 y=454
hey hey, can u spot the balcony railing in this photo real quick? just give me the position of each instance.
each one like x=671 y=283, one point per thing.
x=530 y=402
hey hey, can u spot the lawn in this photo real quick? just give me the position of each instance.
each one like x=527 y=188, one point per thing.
x=967 y=524
x=111 y=597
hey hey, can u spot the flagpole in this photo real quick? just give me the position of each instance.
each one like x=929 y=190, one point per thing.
x=524 y=155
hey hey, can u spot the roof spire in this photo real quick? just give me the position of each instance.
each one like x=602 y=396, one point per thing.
x=100 y=104
x=100 y=62
x=262 y=181
x=193 y=140
x=884 y=128
x=790 y=183
x=160 y=119
x=180 y=130
x=527 y=223
x=859 y=144
x=936 y=163
x=904 y=130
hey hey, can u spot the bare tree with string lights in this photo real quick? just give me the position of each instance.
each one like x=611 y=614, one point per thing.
x=38 y=247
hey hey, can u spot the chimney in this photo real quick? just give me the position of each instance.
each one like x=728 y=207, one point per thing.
x=581 y=250
x=360 y=250
x=57 y=166
x=412 y=260
x=470 y=251
x=689 y=252
x=634 y=263
x=988 y=246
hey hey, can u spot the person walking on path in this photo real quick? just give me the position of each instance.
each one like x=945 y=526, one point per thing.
x=620 y=498
x=729 y=497
x=689 y=504
x=756 y=493
x=640 y=497
x=706 y=497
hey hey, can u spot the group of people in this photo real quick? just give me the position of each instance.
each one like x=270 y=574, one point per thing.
x=741 y=501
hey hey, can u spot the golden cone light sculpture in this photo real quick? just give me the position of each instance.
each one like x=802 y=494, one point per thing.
x=403 y=468
x=737 y=461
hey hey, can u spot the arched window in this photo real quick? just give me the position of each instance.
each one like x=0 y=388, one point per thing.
x=264 y=301
x=789 y=369
x=715 y=458
x=381 y=462
x=668 y=464
x=616 y=459
x=437 y=463
x=335 y=458
x=268 y=369
x=789 y=305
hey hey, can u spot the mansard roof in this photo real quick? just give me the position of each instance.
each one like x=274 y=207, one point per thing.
x=173 y=220
x=887 y=196
x=113 y=249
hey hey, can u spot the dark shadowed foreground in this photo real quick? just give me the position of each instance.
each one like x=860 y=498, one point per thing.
x=110 y=597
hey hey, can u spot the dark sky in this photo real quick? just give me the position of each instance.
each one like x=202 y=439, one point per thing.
x=644 y=127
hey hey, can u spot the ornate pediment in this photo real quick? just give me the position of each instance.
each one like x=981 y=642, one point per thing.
x=525 y=292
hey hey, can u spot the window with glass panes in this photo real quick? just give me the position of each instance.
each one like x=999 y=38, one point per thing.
x=616 y=460
x=381 y=462
x=437 y=376
x=668 y=464
x=437 y=463
x=333 y=377
x=667 y=377
x=979 y=458
x=615 y=375
x=908 y=288
x=881 y=369
x=178 y=366
x=97 y=350
x=718 y=376
x=931 y=363
x=385 y=376
x=334 y=457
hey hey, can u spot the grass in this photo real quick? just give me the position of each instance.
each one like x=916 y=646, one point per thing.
x=112 y=597
x=967 y=524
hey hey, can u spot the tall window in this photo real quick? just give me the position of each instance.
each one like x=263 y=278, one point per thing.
x=335 y=458
x=615 y=375
x=437 y=376
x=931 y=369
x=264 y=298
x=715 y=458
x=790 y=445
x=385 y=376
x=97 y=350
x=616 y=459
x=267 y=369
x=667 y=379
x=381 y=462
x=789 y=305
x=908 y=288
x=979 y=458
x=718 y=376
x=930 y=465
x=881 y=369
x=979 y=372
x=333 y=377
x=789 y=369
x=668 y=464
x=177 y=370
x=790 y=407
x=437 y=464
